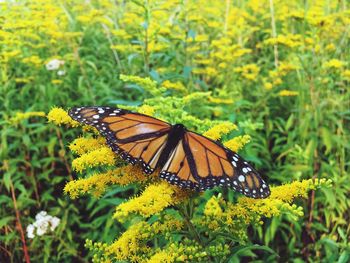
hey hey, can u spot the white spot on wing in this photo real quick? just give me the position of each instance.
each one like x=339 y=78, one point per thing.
x=241 y=178
x=96 y=116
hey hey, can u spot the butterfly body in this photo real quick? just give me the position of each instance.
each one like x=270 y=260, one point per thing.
x=185 y=158
x=175 y=135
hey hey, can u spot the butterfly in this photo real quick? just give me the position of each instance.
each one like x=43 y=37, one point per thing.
x=185 y=158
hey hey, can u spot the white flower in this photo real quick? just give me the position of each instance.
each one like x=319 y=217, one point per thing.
x=54 y=64
x=41 y=227
x=40 y=215
x=30 y=231
x=43 y=223
x=55 y=221
x=61 y=72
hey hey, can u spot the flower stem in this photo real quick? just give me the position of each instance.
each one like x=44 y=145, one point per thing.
x=19 y=225
x=274 y=33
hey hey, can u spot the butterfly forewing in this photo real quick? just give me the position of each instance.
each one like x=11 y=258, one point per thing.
x=136 y=137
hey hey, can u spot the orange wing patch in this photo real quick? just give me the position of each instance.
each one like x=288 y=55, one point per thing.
x=127 y=125
x=210 y=159
x=177 y=170
x=146 y=151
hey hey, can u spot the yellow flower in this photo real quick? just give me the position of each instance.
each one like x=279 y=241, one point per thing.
x=203 y=61
x=84 y=145
x=35 y=60
x=97 y=183
x=146 y=109
x=56 y=81
x=288 y=93
x=210 y=71
x=241 y=52
x=248 y=210
x=212 y=207
x=220 y=100
x=289 y=40
x=237 y=143
x=121 y=34
x=132 y=243
x=330 y=47
x=334 y=64
x=346 y=74
x=216 y=132
x=162 y=257
x=177 y=86
x=24 y=80
x=26 y=115
x=285 y=67
x=100 y=156
x=249 y=71
x=277 y=81
x=59 y=116
x=10 y=54
x=155 y=198
x=268 y=85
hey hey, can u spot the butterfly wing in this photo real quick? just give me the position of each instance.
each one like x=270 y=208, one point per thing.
x=136 y=137
x=200 y=163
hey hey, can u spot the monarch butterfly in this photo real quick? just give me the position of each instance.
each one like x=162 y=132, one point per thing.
x=186 y=158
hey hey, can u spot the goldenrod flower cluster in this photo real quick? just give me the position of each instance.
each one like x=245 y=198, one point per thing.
x=60 y=116
x=26 y=115
x=154 y=199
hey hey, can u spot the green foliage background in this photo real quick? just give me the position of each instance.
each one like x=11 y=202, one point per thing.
x=226 y=48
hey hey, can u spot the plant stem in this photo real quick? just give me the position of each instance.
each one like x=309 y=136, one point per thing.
x=115 y=53
x=64 y=151
x=274 y=33
x=227 y=12
x=190 y=226
x=20 y=228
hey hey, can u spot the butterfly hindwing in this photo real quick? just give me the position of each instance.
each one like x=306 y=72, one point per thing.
x=210 y=164
x=177 y=169
x=137 y=138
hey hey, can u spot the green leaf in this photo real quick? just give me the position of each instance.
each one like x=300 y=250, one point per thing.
x=4 y=221
x=344 y=257
x=242 y=249
x=326 y=136
x=7 y=180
